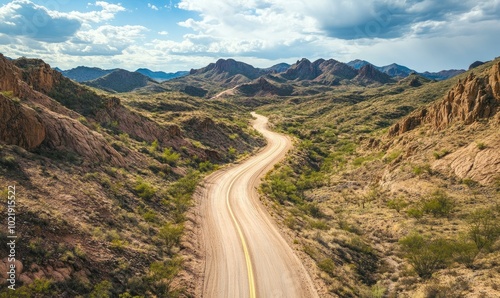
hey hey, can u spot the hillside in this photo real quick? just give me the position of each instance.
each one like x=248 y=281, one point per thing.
x=161 y=76
x=103 y=183
x=122 y=80
x=83 y=73
x=394 y=190
x=400 y=71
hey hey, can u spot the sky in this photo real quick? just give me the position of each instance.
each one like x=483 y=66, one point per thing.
x=173 y=35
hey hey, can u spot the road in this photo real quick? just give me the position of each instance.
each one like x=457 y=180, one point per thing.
x=245 y=254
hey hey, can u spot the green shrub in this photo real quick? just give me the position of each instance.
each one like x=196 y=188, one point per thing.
x=8 y=161
x=481 y=146
x=171 y=235
x=484 y=228
x=426 y=255
x=415 y=212
x=397 y=204
x=144 y=189
x=170 y=157
x=441 y=154
x=102 y=290
x=465 y=251
x=420 y=169
x=439 y=204
x=206 y=166
x=327 y=265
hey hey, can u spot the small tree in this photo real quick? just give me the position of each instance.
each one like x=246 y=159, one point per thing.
x=171 y=235
x=484 y=228
x=426 y=255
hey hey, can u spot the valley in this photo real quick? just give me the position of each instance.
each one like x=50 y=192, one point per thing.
x=370 y=181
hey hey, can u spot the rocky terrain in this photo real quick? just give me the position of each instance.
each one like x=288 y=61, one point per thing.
x=383 y=181
x=103 y=182
x=390 y=169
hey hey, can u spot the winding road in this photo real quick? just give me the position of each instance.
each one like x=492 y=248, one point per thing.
x=245 y=254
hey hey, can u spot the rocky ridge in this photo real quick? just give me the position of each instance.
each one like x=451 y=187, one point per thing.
x=476 y=97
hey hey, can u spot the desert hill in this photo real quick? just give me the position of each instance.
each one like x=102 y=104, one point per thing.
x=103 y=182
x=385 y=179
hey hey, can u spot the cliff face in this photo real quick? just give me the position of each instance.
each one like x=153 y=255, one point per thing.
x=20 y=125
x=476 y=97
x=30 y=119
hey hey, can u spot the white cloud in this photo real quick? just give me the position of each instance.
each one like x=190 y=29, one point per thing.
x=163 y=33
x=153 y=7
x=24 y=18
x=107 y=12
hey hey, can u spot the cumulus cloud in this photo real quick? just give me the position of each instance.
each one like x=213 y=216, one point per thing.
x=24 y=18
x=105 y=40
x=107 y=12
x=152 y=6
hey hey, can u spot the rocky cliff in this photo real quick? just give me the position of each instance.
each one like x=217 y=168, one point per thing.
x=473 y=98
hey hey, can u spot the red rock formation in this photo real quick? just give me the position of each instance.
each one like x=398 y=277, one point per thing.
x=476 y=97
x=19 y=125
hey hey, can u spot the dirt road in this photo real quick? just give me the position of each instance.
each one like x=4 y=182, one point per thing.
x=245 y=254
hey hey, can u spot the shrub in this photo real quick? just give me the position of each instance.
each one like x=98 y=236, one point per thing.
x=439 y=204
x=484 y=228
x=426 y=255
x=481 y=145
x=415 y=212
x=144 y=189
x=8 y=161
x=441 y=154
x=465 y=251
x=397 y=204
x=327 y=265
x=170 y=157
x=171 y=235
x=232 y=152
x=420 y=169
x=102 y=290
x=206 y=166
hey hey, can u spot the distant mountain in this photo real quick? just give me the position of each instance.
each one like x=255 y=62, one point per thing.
x=222 y=70
x=369 y=74
x=328 y=72
x=281 y=67
x=357 y=64
x=396 y=70
x=84 y=73
x=475 y=64
x=122 y=80
x=443 y=74
x=161 y=76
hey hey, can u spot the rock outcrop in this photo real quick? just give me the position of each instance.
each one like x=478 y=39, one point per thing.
x=476 y=97
x=479 y=163
x=30 y=119
x=20 y=125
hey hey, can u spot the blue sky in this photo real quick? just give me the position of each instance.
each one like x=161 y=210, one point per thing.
x=183 y=34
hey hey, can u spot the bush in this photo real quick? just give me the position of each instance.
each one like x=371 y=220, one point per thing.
x=102 y=290
x=327 y=265
x=484 y=228
x=415 y=212
x=439 y=204
x=397 y=204
x=144 y=189
x=426 y=255
x=8 y=161
x=171 y=235
x=170 y=157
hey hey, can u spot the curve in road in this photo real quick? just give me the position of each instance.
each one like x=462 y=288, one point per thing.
x=246 y=256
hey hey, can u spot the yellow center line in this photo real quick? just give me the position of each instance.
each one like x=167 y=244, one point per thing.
x=251 y=280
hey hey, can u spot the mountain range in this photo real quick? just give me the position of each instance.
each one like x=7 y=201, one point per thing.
x=388 y=176
x=229 y=73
